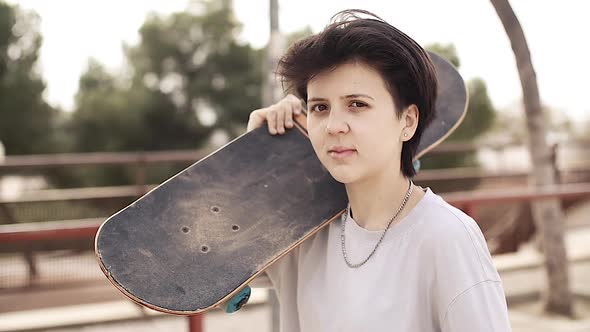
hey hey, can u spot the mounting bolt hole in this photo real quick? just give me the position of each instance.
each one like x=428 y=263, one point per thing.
x=185 y=229
x=235 y=228
x=215 y=209
x=204 y=249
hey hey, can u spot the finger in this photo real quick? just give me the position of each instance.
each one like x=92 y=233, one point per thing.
x=255 y=120
x=271 y=120
x=298 y=109
x=295 y=104
x=281 y=118
x=289 y=117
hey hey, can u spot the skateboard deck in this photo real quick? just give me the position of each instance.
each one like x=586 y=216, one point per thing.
x=199 y=238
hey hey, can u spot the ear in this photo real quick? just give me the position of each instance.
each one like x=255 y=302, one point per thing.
x=410 y=118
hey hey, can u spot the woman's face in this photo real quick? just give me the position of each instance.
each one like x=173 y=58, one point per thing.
x=352 y=123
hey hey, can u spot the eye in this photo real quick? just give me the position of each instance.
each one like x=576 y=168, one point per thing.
x=358 y=104
x=318 y=108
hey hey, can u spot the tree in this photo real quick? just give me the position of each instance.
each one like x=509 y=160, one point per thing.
x=479 y=118
x=190 y=77
x=187 y=78
x=196 y=62
x=26 y=120
x=547 y=213
x=294 y=36
x=102 y=120
x=447 y=51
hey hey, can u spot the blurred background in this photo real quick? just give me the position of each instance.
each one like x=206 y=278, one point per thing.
x=102 y=100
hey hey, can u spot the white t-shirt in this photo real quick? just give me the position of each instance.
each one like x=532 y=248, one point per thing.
x=432 y=272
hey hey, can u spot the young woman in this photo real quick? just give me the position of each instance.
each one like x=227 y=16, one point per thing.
x=401 y=258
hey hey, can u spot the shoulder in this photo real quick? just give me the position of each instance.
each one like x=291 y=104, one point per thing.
x=446 y=221
x=453 y=240
x=457 y=254
x=285 y=269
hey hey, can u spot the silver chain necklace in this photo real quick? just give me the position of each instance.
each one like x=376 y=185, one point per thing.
x=353 y=266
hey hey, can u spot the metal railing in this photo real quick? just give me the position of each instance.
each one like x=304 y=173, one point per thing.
x=86 y=229
x=23 y=235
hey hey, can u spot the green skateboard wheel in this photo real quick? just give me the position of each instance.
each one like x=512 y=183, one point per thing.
x=238 y=301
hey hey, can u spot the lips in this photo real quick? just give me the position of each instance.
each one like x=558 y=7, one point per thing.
x=340 y=152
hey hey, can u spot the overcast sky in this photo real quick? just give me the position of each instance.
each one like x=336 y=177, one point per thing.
x=557 y=32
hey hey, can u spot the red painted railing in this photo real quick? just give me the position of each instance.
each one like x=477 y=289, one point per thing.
x=86 y=229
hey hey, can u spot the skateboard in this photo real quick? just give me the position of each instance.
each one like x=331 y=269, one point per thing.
x=195 y=242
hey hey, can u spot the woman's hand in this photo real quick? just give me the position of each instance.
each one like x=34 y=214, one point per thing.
x=278 y=116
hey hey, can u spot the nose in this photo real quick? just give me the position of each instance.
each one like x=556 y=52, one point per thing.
x=336 y=123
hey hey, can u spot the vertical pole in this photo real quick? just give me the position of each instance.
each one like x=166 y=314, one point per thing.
x=29 y=255
x=271 y=94
x=272 y=90
x=554 y=162
x=195 y=323
x=140 y=175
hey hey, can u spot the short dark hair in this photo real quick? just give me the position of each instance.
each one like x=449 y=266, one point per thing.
x=405 y=66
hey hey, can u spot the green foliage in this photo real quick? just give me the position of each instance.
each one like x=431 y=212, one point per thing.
x=26 y=120
x=187 y=77
x=185 y=65
x=197 y=63
x=299 y=34
x=479 y=118
x=447 y=51
x=480 y=113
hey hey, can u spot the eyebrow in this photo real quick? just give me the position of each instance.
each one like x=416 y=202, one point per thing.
x=343 y=97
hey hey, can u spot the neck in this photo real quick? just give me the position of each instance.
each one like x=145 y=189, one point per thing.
x=375 y=200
